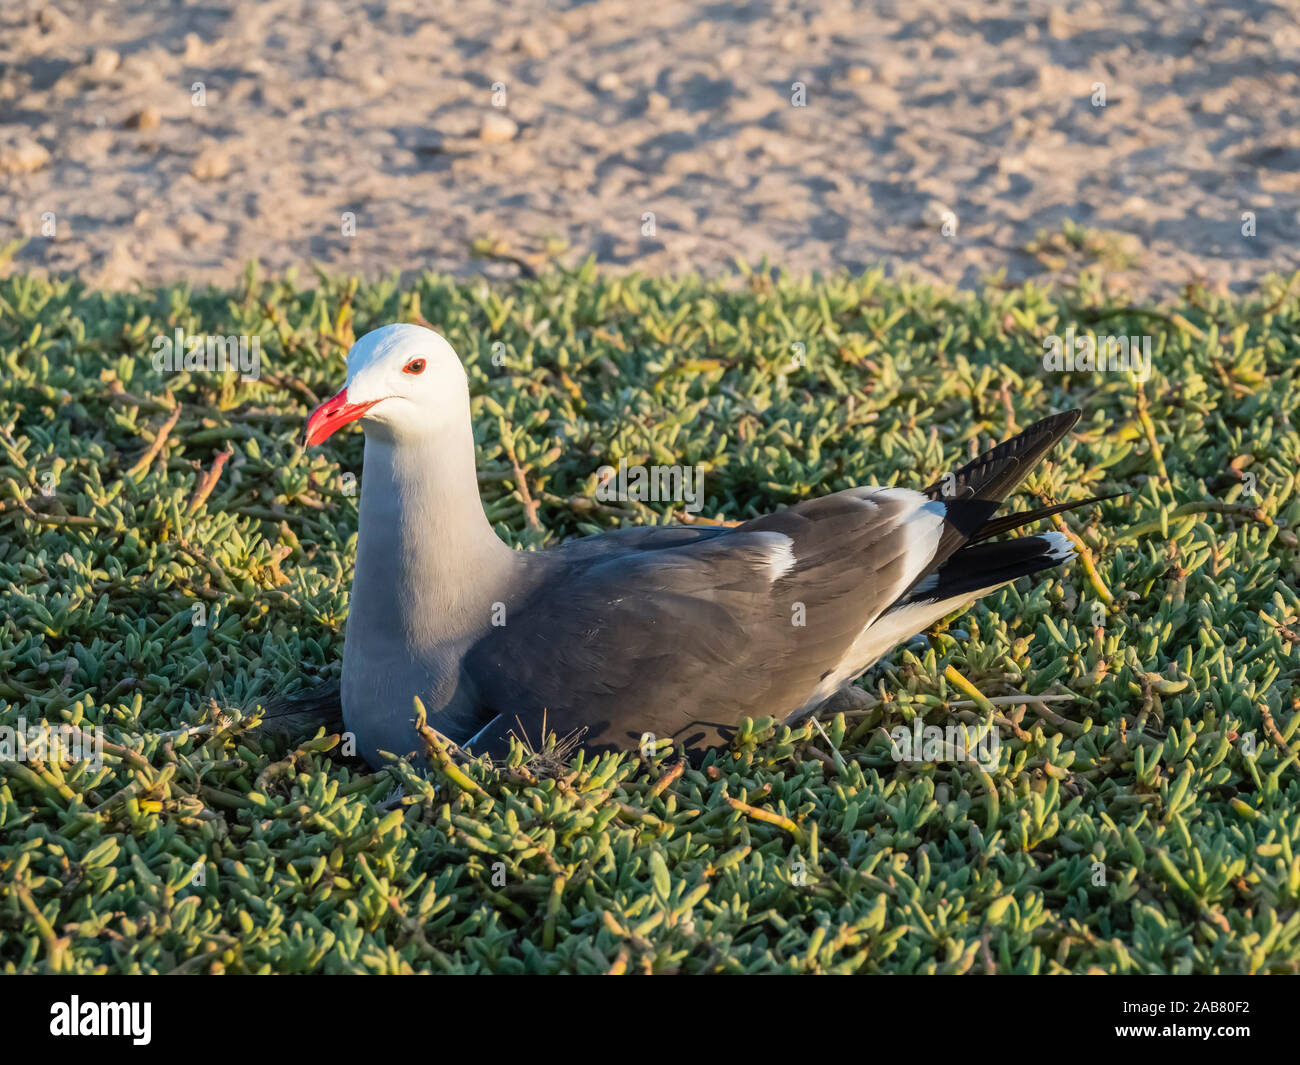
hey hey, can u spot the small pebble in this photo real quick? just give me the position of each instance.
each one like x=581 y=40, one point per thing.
x=497 y=128
x=212 y=163
x=148 y=118
x=104 y=62
x=22 y=156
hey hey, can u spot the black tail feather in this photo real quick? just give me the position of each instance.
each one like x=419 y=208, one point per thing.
x=1009 y=522
x=979 y=567
x=992 y=475
x=975 y=491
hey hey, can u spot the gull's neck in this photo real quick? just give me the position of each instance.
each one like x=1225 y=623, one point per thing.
x=429 y=566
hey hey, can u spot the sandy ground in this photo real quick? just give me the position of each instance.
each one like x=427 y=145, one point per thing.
x=618 y=108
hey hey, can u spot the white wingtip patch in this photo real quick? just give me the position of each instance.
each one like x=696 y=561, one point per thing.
x=1059 y=547
x=781 y=560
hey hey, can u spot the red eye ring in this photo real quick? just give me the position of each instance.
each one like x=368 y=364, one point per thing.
x=414 y=366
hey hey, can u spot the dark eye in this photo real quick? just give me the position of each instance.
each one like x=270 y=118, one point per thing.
x=414 y=366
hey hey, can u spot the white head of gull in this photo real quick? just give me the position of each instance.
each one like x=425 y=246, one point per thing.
x=675 y=631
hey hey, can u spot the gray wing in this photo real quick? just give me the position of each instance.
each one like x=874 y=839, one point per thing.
x=681 y=632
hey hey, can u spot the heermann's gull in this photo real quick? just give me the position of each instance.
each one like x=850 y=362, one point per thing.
x=676 y=631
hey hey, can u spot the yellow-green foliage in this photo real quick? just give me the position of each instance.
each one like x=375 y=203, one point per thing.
x=1145 y=823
